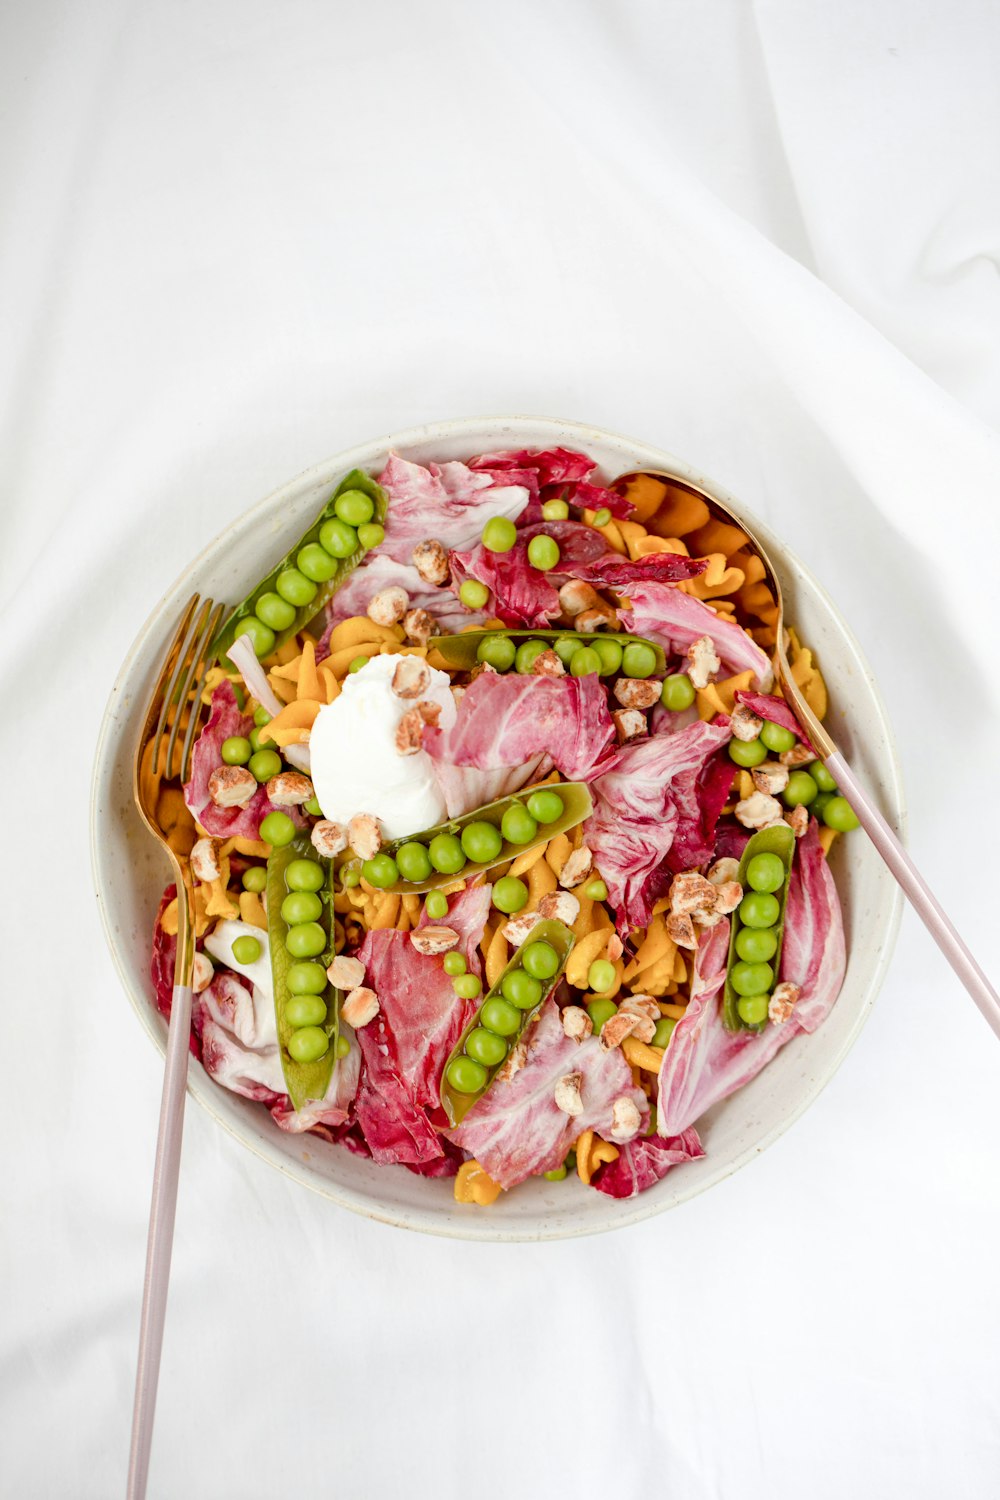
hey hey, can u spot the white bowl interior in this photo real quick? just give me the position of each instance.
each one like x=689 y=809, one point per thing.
x=130 y=872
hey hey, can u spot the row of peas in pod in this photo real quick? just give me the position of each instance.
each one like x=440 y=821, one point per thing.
x=811 y=786
x=263 y=762
x=486 y=1042
x=757 y=928
x=310 y=572
x=500 y=535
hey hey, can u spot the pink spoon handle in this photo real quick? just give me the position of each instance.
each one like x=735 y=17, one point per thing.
x=916 y=891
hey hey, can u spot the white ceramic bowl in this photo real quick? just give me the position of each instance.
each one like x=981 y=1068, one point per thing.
x=129 y=871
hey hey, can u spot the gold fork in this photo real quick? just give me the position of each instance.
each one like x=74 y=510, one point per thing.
x=163 y=753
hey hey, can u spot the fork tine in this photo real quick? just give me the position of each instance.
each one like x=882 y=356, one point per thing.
x=202 y=655
x=184 y=675
x=172 y=665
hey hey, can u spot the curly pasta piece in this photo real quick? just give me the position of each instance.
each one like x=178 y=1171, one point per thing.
x=807 y=675
x=591 y=1151
x=474 y=1185
x=720 y=697
x=495 y=958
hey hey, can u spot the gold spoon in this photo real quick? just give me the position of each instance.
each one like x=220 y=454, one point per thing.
x=905 y=872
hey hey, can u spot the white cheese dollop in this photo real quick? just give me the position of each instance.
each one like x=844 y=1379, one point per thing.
x=356 y=767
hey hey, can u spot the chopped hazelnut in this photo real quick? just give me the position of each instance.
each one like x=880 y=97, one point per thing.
x=770 y=777
x=204 y=860
x=728 y=897
x=625 y=1119
x=411 y=678
x=548 y=664
x=703 y=661
x=636 y=692
x=798 y=755
x=388 y=606
x=567 y=1094
x=328 y=839
x=431 y=940
x=782 y=1003
x=346 y=973
x=680 y=928
x=410 y=732
x=576 y=1023
x=430 y=559
x=745 y=724
x=360 y=1007
x=691 y=893
x=202 y=973
x=231 y=786
x=289 y=789
x=589 y=620
x=798 y=820
x=559 y=906
x=364 y=835
x=575 y=597
x=617 y=1028
x=419 y=626
x=724 y=870
x=758 y=811
x=517 y=929
x=576 y=868
x=629 y=724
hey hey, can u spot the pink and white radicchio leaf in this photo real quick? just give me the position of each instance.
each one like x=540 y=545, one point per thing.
x=224 y=721
x=704 y=1062
x=647 y=799
x=644 y=1161
x=556 y=474
x=448 y=502
x=419 y=1021
x=382 y=572
x=517 y=1130
x=777 y=711
x=674 y=620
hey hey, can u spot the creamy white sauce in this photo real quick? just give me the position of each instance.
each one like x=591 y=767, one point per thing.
x=356 y=767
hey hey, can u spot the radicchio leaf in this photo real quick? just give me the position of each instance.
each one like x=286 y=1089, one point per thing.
x=675 y=619
x=382 y=572
x=644 y=1161
x=449 y=502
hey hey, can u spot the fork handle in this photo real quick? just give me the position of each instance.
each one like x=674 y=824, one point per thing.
x=917 y=891
x=160 y=1240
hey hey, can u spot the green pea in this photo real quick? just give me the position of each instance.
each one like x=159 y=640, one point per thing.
x=747 y=753
x=756 y=944
x=261 y=717
x=610 y=653
x=584 y=661
x=651 y=1127
x=305 y=1010
x=295 y=587
x=316 y=563
x=556 y=1175
x=510 y=895
x=638 y=660
x=596 y=890
x=277 y=829
x=308 y=1045
x=357 y=662
x=500 y=1016
x=486 y=1047
x=765 y=872
x=468 y=986
x=454 y=964
x=517 y=825
x=481 y=841
x=600 y=1011
x=601 y=517
x=265 y=764
x=413 y=861
x=521 y=989
x=570 y=1162
x=301 y=906
x=528 y=653
x=255 y=879
x=677 y=692
x=499 y=534
x=336 y=538
x=381 y=872
x=602 y=976
x=436 y=905
x=236 y=750
x=819 y=802
x=555 y=510
x=275 y=611
x=545 y=806
x=371 y=535
x=466 y=1076
x=543 y=553
x=664 y=1031
x=246 y=950
x=759 y=910
x=354 y=507
x=473 y=594
x=256 y=743
x=261 y=636
x=776 y=737
x=540 y=960
x=800 y=791
x=752 y=1009
x=307 y=941
x=751 y=979
x=343 y=1047
x=311 y=806
x=306 y=979
x=351 y=877
x=497 y=651
x=819 y=773
x=566 y=648
x=839 y=814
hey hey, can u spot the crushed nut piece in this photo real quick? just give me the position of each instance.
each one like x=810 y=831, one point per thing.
x=328 y=839
x=204 y=860
x=515 y=1061
x=798 y=755
x=723 y=871
x=575 y=597
x=430 y=559
x=680 y=929
x=429 y=711
x=419 y=625
x=517 y=929
x=691 y=892
x=411 y=678
x=728 y=897
x=202 y=974
x=617 y=1028
x=410 y=732
x=231 y=786
x=625 y=1118
x=289 y=789
x=548 y=664
x=576 y=868
x=798 y=820
x=346 y=973
x=576 y=1023
x=703 y=661
x=360 y=1007
x=770 y=777
x=646 y=1012
x=434 y=939
x=567 y=1094
x=589 y=620
x=745 y=724
x=758 y=811
x=615 y=947
x=629 y=723
x=364 y=835
x=388 y=606
x=559 y=906
x=636 y=692
x=782 y=1002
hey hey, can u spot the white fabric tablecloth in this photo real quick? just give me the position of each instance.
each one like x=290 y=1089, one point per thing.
x=239 y=237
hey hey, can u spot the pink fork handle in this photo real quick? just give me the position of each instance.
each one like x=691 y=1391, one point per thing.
x=916 y=891
x=161 y=1238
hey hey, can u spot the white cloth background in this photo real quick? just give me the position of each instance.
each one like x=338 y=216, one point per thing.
x=239 y=237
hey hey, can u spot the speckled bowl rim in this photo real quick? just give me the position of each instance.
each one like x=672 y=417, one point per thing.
x=645 y=1205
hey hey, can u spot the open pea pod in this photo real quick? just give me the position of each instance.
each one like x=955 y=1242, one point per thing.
x=301 y=596
x=304 y=1080
x=779 y=840
x=511 y=1017
x=577 y=805
x=462 y=650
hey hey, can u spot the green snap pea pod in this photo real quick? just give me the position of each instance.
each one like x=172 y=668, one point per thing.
x=577 y=804
x=304 y=1080
x=495 y=1007
x=461 y=650
x=340 y=568
x=779 y=841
